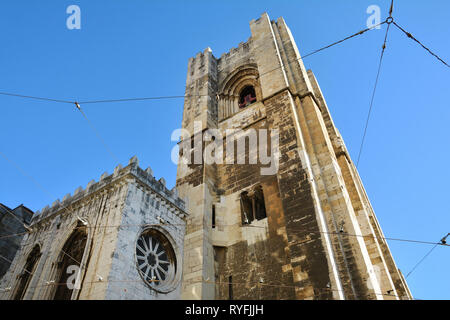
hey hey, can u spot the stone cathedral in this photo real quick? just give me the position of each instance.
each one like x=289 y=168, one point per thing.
x=286 y=235
x=292 y=222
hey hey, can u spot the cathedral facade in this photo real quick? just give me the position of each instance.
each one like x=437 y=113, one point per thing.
x=268 y=203
x=118 y=238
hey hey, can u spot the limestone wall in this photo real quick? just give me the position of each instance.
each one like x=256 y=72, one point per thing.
x=315 y=201
x=12 y=230
x=112 y=211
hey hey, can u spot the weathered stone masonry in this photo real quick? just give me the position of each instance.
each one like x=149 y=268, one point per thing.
x=307 y=231
x=313 y=201
x=100 y=226
x=12 y=221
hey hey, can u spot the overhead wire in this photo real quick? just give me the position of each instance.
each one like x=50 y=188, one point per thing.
x=34 y=97
x=373 y=92
x=261 y=227
x=442 y=242
x=18 y=168
x=97 y=133
x=421 y=260
x=312 y=53
x=325 y=47
x=261 y=284
x=142 y=99
x=68 y=210
x=187 y=96
x=409 y=35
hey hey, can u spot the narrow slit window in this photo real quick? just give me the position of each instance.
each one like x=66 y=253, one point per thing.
x=213 y=216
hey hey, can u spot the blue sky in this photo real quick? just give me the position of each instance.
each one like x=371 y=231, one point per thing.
x=137 y=49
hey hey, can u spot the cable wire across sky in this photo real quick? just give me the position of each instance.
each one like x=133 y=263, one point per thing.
x=388 y=21
x=374 y=90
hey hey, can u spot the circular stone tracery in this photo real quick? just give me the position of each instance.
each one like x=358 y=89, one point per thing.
x=155 y=259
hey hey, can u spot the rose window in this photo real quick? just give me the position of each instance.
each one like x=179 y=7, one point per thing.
x=155 y=259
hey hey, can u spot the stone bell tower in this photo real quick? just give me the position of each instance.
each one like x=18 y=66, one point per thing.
x=305 y=231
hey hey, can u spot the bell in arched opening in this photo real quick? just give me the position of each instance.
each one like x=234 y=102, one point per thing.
x=247 y=96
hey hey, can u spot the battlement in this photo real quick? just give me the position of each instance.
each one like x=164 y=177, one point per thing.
x=199 y=59
x=132 y=170
x=242 y=49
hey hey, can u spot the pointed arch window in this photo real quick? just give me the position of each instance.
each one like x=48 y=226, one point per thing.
x=71 y=255
x=26 y=275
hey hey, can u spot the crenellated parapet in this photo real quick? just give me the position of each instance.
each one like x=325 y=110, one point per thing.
x=100 y=228
x=120 y=176
x=239 y=53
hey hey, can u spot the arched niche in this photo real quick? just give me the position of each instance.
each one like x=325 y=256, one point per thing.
x=243 y=78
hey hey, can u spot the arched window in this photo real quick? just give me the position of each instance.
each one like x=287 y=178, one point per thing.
x=26 y=275
x=69 y=263
x=156 y=260
x=247 y=96
x=239 y=89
